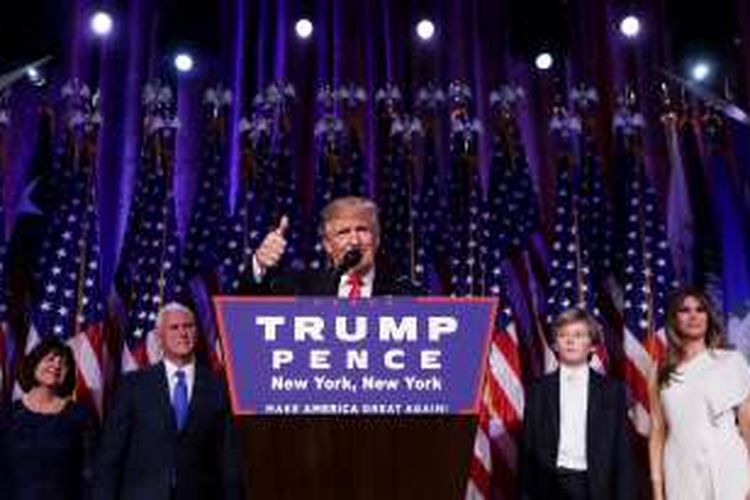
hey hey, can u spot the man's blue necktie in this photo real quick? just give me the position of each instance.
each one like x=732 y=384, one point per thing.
x=180 y=400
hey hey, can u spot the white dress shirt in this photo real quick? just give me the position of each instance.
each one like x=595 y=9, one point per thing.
x=258 y=271
x=171 y=370
x=368 y=279
x=574 y=397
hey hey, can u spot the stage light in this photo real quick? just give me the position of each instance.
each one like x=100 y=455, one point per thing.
x=34 y=76
x=544 y=61
x=700 y=71
x=183 y=62
x=32 y=73
x=304 y=28
x=425 y=29
x=630 y=26
x=101 y=23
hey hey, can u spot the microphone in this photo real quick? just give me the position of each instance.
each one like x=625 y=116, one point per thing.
x=351 y=258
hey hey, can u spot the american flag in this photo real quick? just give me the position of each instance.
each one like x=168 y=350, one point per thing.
x=429 y=202
x=267 y=186
x=706 y=249
x=398 y=214
x=395 y=177
x=331 y=174
x=513 y=220
x=283 y=199
x=596 y=235
x=466 y=197
x=244 y=230
x=680 y=218
x=494 y=463
x=352 y=98
x=645 y=258
x=203 y=243
x=40 y=198
x=158 y=103
x=594 y=211
x=493 y=469
x=151 y=268
x=390 y=178
x=89 y=343
x=340 y=166
x=571 y=282
x=68 y=302
x=569 y=277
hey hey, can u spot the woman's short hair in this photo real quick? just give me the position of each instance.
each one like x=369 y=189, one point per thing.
x=30 y=362
x=578 y=315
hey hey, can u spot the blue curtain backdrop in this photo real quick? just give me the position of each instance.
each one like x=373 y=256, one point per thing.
x=245 y=45
x=248 y=44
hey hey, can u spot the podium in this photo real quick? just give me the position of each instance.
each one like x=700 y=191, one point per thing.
x=361 y=440
x=362 y=457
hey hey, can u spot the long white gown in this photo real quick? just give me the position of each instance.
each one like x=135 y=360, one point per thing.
x=705 y=457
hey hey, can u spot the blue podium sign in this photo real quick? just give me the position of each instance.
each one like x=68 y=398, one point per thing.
x=324 y=355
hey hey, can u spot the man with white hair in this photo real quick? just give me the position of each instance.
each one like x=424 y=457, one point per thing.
x=169 y=435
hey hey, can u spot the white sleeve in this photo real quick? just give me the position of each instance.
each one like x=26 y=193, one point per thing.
x=732 y=384
x=258 y=271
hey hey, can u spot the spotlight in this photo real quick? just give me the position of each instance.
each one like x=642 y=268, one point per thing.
x=304 y=28
x=700 y=71
x=34 y=76
x=425 y=29
x=630 y=26
x=544 y=61
x=101 y=23
x=183 y=62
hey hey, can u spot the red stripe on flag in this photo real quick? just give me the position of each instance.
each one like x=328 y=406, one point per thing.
x=95 y=335
x=502 y=405
x=493 y=473
x=637 y=383
x=509 y=348
x=83 y=393
x=479 y=474
x=655 y=347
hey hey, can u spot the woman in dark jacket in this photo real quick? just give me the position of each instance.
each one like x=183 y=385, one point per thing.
x=46 y=438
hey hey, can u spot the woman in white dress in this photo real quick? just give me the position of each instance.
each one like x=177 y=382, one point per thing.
x=700 y=409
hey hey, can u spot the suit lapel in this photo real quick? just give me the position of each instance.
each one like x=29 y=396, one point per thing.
x=163 y=399
x=320 y=283
x=400 y=286
x=594 y=409
x=552 y=413
x=378 y=287
x=328 y=286
x=382 y=286
x=200 y=387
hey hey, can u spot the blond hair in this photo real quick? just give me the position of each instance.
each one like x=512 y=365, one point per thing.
x=334 y=207
x=578 y=315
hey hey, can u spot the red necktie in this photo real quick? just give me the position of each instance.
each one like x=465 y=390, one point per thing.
x=354 y=280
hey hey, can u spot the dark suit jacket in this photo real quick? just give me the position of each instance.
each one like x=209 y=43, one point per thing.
x=608 y=449
x=323 y=283
x=144 y=457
